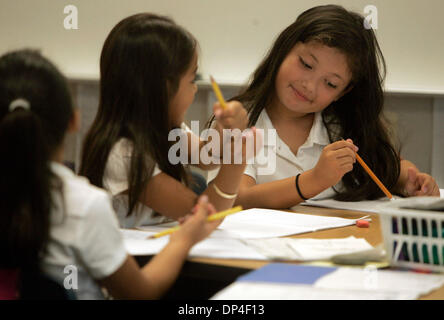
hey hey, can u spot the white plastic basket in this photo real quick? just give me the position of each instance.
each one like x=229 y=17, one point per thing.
x=413 y=238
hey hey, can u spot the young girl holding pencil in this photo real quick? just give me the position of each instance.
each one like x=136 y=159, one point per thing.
x=50 y=218
x=148 y=68
x=321 y=81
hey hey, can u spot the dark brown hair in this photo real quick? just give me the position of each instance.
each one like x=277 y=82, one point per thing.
x=142 y=61
x=29 y=138
x=358 y=114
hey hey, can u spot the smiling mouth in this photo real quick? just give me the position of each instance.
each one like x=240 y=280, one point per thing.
x=298 y=94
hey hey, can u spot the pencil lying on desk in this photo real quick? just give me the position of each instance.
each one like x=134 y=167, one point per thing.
x=218 y=93
x=374 y=177
x=213 y=217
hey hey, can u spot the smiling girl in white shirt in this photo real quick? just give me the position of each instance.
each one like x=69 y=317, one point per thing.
x=321 y=81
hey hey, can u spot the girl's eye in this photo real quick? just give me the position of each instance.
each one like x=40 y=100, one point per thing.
x=194 y=79
x=305 y=64
x=331 y=85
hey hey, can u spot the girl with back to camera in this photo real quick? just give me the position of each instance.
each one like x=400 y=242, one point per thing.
x=148 y=68
x=50 y=218
x=321 y=81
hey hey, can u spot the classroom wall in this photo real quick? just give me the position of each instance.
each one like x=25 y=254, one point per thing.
x=416 y=119
x=233 y=34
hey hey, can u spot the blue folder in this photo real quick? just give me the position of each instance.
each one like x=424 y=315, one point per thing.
x=287 y=273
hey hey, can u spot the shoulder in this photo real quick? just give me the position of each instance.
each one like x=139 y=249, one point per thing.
x=79 y=195
x=122 y=148
x=263 y=121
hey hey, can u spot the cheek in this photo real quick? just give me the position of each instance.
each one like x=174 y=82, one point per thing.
x=325 y=97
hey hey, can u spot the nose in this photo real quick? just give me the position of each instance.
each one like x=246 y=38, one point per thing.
x=309 y=86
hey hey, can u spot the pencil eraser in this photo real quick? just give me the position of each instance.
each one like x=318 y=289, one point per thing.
x=362 y=223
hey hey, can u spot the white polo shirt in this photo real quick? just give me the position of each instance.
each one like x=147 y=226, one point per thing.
x=115 y=180
x=287 y=163
x=85 y=243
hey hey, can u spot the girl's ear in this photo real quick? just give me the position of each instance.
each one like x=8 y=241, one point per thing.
x=74 y=122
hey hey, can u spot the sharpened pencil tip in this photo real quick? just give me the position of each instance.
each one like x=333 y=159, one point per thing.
x=211 y=78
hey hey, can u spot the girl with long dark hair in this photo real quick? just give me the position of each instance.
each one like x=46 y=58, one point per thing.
x=147 y=82
x=52 y=221
x=321 y=81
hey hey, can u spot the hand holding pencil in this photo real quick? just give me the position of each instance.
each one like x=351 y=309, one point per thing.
x=335 y=161
x=199 y=224
x=229 y=115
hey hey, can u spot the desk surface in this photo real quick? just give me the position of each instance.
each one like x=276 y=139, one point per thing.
x=373 y=235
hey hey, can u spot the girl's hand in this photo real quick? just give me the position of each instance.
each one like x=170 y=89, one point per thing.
x=336 y=160
x=194 y=227
x=420 y=184
x=234 y=116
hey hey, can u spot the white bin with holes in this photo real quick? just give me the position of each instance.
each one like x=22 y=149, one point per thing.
x=413 y=233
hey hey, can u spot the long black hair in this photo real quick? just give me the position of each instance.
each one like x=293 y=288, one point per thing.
x=358 y=114
x=141 y=64
x=35 y=109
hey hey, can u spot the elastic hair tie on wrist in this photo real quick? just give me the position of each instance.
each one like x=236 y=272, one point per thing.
x=299 y=190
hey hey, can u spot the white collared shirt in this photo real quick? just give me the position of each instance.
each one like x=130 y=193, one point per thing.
x=287 y=163
x=85 y=242
x=115 y=180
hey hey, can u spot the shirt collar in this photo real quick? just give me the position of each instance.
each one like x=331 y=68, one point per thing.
x=318 y=132
x=61 y=170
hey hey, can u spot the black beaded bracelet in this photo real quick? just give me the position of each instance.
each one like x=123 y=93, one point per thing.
x=297 y=188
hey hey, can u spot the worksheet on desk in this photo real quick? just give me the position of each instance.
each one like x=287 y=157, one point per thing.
x=265 y=223
x=137 y=243
x=371 y=206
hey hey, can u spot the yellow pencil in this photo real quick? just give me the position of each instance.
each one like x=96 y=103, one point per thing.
x=213 y=217
x=373 y=176
x=218 y=93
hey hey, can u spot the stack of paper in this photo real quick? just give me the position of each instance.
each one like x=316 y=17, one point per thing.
x=371 y=206
x=136 y=243
x=293 y=282
x=252 y=224
x=265 y=223
x=307 y=249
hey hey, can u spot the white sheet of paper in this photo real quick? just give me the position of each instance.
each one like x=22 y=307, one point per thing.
x=307 y=249
x=342 y=284
x=136 y=243
x=266 y=223
x=364 y=206
x=225 y=249
x=387 y=281
x=277 y=291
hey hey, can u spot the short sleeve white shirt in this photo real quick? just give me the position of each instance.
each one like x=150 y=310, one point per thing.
x=287 y=163
x=115 y=180
x=85 y=242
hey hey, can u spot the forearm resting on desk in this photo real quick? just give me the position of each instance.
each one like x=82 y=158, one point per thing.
x=278 y=194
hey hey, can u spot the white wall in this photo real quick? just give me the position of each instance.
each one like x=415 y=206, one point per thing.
x=234 y=34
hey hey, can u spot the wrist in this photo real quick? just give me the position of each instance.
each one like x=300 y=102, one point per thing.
x=180 y=242
x=310 y=185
